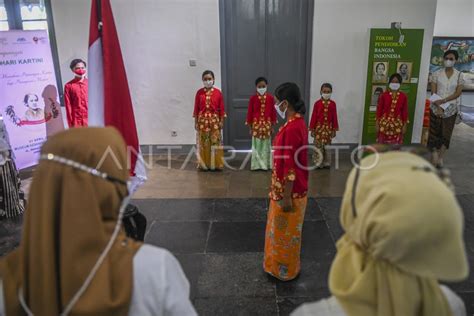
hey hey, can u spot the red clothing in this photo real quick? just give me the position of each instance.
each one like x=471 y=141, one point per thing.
x=290 y=161
x=324 y=121
x=75 y=99
x=216 y=102
x=209 y=109
x=261 y=114
x=392 y=115
x=426 y=117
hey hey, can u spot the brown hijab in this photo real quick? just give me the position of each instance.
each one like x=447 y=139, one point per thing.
x=70 y=218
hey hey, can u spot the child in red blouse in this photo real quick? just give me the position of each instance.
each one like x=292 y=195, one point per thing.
x=261 y=117
x=209 y=116
x=392 y=113
x=323 y=126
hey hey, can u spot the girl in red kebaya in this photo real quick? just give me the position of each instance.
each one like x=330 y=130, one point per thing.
x=261 y=116
x=209 y=116
x=288 y=195
x=392 y=113
x=323 y=126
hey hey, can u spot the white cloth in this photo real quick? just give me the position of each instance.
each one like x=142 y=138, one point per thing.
x=159 y=285
x=446 y=87
x=331 y=307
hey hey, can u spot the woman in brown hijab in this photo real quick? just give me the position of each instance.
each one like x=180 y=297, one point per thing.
x=74 y=257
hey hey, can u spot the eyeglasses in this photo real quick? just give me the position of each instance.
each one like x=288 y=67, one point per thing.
x=79 y=166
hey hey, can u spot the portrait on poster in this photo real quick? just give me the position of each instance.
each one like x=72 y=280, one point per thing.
x=376 y=93
x=380 y=71
x=405 y=70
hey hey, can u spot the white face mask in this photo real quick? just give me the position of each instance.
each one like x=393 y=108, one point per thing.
x=280 y=112
x=208 y=83
x=262 y=91
x=326 y=96
x=449 y=63
x=394 y=86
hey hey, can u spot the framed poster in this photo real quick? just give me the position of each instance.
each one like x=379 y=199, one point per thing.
x=388 y=54
x=465 y=47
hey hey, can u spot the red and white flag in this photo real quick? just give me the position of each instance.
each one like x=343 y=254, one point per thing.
x=110 y=103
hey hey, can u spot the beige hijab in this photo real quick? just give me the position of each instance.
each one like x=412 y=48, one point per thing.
x=70 y=218
x=407 y=235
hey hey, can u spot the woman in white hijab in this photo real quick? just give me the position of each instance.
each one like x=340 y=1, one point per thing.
x=403 y=233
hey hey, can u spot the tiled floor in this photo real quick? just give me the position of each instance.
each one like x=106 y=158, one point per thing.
x=214 y=223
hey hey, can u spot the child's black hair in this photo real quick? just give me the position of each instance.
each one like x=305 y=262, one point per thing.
x=260 y=79
x=396 y=75
x=291 y=92
x=208 y=72
x=326 y=85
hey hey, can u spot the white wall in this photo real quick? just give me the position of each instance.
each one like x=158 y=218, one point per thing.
x=456 y=18
x=340 y=52
x=158 y=37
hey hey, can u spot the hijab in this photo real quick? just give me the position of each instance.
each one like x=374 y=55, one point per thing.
x=403 y=235
x=70 y=219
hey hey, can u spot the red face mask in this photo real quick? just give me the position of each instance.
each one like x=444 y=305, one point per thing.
x=80 y=72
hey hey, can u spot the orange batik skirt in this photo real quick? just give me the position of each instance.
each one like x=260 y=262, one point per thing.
x=283 y=240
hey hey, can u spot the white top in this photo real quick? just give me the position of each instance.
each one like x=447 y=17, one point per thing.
x=159 y=285
x=447 y=87
x=331 y=307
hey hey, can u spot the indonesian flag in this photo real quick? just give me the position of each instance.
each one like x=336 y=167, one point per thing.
x=110 y=103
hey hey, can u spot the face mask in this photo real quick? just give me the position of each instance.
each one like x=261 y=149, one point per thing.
x=326 y=96
x=208 y=84
x=262 y=91
x=80 y=72
x=394 y=86
x=449 y=63
x=280 y=112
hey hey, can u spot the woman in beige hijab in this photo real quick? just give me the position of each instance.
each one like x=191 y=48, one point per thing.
x=74 y=257
x=404 y=232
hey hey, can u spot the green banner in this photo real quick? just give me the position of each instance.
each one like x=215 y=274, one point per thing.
x=389 y=54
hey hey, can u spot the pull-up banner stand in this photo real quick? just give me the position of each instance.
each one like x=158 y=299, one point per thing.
x=391 y=51
x=29 y=101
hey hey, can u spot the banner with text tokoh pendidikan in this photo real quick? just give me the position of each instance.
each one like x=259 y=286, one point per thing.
x=392 y=51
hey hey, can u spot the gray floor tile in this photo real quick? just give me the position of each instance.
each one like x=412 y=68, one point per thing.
x=176 y=209
x=236 y=237
x=234 y=275
x=238 y=306
x=241 y=210
x=179 y=237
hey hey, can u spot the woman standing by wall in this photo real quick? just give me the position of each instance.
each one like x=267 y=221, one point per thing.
x=447 y=83
x=288 y=196
x=261 y=116
x=209 y=115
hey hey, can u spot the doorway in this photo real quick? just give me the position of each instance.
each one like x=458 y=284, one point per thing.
x=271 y=38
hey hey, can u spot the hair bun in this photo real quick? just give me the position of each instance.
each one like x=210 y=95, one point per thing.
x=300 y=107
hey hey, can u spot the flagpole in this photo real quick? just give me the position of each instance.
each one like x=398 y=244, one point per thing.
x=99 y=16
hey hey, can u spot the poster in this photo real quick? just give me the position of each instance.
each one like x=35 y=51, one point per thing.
x=29 y=101
x=389 y=54
x=465 y=47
